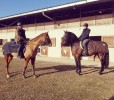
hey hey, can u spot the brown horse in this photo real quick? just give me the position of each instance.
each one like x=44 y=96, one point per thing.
x=30 y=52
x=98 y=48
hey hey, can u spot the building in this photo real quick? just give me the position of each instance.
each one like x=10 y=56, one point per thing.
x=99 y=14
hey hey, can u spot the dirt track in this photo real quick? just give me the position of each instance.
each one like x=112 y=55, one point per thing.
x=56 y=82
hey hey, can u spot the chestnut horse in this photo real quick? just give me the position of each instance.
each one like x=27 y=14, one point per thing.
x=30 y=53
x=98 y=48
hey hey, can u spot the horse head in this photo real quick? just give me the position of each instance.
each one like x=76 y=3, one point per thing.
x=46 y=39
x=68 y=38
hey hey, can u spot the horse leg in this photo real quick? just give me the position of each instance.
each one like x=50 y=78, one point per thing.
x=7 y=65
x=33 y=65
x=79 y=63
x=101 y=57
x=25 y=66
x=8 y=58
x=76 y=64
x=78 y=67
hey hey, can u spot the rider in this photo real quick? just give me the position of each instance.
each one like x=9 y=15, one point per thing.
x=20 y=39
x=84 y=37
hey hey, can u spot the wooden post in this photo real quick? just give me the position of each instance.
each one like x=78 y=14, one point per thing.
x=80 y=16
x=112 y=11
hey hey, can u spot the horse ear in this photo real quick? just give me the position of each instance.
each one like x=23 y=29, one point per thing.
x=64 y=31
x=46 y=32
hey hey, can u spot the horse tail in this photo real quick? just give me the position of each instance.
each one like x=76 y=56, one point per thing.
x=106 y=60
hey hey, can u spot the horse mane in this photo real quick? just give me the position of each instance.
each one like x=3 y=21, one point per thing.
x=36 y=38
x=74 y=38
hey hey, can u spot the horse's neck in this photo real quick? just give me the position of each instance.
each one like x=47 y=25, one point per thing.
x=36 y=41
x=76 y=44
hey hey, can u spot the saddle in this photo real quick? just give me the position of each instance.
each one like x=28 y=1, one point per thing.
x=88 y=47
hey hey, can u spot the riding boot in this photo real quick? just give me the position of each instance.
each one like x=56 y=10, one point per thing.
x=85 y=51
x=20 y=52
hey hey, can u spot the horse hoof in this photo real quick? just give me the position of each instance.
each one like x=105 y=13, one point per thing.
x=24 y=76
x=78 y=72
x=100 y=73
x=8 y=76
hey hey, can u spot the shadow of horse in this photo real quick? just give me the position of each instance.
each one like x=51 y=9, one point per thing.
x=57 y=69
x=61 y=68
x=111 y=70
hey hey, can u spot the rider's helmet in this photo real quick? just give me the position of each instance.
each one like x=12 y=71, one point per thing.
x=86 y=25
x=19 y=24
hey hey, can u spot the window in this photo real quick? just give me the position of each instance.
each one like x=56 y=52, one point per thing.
x=12 y=39
x=109 y=40
x=44 y=50
x=65 y=51
x=95 y=38
x=1 y=41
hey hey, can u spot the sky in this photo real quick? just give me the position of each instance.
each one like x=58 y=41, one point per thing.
x=11 y=7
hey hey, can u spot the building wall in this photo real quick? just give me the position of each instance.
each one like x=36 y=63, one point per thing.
x=101 y=25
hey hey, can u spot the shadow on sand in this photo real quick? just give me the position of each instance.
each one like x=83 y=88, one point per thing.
x=61 y=68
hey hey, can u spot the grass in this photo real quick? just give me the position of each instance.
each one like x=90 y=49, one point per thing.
x=55 y=81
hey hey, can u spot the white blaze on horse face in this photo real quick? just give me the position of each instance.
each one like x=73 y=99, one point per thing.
x=65 y=51
x=44 y=50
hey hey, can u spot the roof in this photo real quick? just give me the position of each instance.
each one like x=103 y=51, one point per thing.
x=61 y=12
x=48 y=9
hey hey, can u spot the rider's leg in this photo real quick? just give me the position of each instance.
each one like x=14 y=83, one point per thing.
x=20 y=50
x=85 y=42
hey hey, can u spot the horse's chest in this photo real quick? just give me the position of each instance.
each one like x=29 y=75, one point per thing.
x=75 y=49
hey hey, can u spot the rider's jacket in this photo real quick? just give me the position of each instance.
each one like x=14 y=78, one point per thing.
x=85 y=34
x=20 y=35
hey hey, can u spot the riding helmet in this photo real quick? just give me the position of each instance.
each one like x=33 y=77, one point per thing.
x=19 y=24
x=86 y=25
